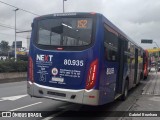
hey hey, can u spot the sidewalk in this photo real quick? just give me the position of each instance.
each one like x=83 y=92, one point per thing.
x=149 y=100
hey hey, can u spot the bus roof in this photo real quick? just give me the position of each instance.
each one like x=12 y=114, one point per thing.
x=67 y=14
x=91 y=13
x=119 y=31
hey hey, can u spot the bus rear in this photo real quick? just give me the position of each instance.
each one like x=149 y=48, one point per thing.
x=64 y=58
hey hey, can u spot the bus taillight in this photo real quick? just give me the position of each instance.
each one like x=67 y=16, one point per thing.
x=31 y=69
x=92 y=73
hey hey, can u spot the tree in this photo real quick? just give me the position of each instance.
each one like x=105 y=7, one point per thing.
x=4 y=47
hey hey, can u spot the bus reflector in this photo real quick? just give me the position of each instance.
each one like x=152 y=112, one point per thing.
x=92 y=73
x=31 y=70
x=91 y=96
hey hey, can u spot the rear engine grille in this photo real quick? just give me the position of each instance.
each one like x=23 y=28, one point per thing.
x=56 y=94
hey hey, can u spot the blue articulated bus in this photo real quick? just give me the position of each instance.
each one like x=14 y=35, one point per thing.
x=81 y=58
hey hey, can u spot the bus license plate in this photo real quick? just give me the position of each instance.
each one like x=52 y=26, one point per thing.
x=57 y=79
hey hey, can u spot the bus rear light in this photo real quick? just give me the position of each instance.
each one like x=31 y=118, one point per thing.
x=92 y=73
x=31 y=70
x=145 y=67
x=59 y=48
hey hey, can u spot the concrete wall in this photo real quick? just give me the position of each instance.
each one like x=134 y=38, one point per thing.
x=13 y=75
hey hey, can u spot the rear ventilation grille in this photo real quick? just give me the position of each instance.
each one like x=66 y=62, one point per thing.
x=56 y=94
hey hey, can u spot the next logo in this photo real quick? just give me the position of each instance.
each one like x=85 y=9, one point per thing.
x=45 y=58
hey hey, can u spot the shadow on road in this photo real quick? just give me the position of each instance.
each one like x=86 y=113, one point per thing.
x=114 y=109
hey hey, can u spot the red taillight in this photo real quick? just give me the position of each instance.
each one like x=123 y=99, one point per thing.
x=31 y=70
x=145 y=67
x=92 y=73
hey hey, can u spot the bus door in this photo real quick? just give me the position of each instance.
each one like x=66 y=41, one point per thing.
x=120 y=81
x=136 y=66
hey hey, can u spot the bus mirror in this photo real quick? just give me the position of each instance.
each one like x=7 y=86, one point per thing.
x=57 y=29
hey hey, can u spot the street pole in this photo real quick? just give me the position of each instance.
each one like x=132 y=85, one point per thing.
x=15 y=45
x=63 y=5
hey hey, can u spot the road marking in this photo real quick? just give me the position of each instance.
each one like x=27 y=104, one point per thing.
x=25 y=106
x=13 y=98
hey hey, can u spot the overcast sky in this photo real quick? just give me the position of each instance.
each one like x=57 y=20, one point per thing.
x=139 y=19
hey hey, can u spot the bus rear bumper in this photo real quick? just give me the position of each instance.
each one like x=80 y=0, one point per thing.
x=75 y=96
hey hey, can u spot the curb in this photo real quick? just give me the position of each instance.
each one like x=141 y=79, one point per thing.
x=13 y=80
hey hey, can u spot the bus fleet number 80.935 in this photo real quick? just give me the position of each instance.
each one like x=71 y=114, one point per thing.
x=73 y=62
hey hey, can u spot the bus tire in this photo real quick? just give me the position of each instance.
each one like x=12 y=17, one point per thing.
x=125 y=92
x=141 y=76
x=145 y=77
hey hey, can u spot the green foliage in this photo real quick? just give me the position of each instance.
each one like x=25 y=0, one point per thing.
x=11 y=66
x=4 y=47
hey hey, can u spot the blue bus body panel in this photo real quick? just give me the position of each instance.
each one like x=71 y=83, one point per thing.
x=54 y=73
x=108 y=82
x=51 y=70
x=69 y=69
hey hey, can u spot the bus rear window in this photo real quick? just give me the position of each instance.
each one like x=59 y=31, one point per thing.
x=65 y=32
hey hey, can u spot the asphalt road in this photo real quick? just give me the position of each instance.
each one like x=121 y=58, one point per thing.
x=13 y=97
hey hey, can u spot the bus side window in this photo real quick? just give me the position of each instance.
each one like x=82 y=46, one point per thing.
x=110 y=44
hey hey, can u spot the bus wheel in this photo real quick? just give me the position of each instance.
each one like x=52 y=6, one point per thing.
x=141 y=76
x=145 y=77
x=125 y=92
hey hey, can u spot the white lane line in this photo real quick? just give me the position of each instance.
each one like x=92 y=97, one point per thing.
x=13 y=98
x=25 y=106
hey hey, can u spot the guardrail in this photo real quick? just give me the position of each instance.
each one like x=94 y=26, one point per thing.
x=13 y=77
